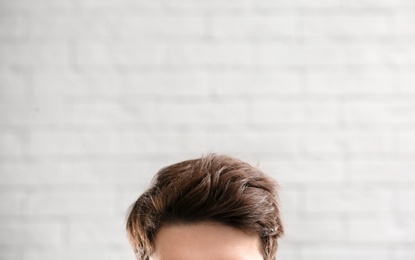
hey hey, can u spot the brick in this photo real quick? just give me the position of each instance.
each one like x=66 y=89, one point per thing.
x=321 y=112
x=138 y=174
x=62 y=85
x=31 y=114
x=215 y=5
x=128 y=196
x=43 y=253
x=305 y=172
x=324 y=4
x=34 y=174
x=344 y=252
x=405 y=201
x=404 y=20
x=15 y=86
x=291 y=200
x=70 y=144
x=121 y=54
x=203 y=54
x=200 y=113
x=348 y=200
x=324 y=55
x=381 y=230
x=10 y=143
x=160 y=26
x=323 y=142
x=165 y=84
x=53 y=29
x=278 y=54
x=78 y=252
x=255 y=83
x=404 y=81
x=405 y=142
x=106 y=113
x=348 y=82
x=8 y=253
x=127 y=26
x=313 y=230
x=242 y=26
x=103 y=232
x=31 y=233
x=35 y=55
x=253 y=143
x=347 y=25
x=13 y=28
x=48 y=4
x=6 y=117
x=267 y=5
x=365 y=4
x=54 y=143
x=405 y=253
x=362 y=142
x=324 y=113
x=71 y=113
x=379 y=113
x=382 y=171
x=282 y=112
x=24 y=7
x=287 y=251
x=122 y=4
x=135 y=85
x=70 y=203
x=10 y=204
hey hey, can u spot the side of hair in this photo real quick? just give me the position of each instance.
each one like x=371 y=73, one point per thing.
x=214 y=188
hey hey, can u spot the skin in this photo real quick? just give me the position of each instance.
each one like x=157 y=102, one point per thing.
x=206 y=241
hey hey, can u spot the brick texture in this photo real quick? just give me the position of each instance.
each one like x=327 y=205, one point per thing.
x=97 y=95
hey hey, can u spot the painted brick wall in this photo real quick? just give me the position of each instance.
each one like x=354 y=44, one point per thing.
x=97 y=95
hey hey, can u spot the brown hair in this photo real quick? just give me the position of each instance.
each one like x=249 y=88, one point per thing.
x=214 y=188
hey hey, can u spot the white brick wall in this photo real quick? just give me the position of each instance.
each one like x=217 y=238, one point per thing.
x=97 y=95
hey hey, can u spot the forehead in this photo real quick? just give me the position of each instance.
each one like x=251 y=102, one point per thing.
x=206 y=241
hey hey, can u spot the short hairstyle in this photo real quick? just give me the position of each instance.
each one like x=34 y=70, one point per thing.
x=214 y=188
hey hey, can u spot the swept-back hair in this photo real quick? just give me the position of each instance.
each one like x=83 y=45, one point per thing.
x=214 y=188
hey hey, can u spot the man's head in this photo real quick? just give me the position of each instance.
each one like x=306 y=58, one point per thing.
x=214 y=192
